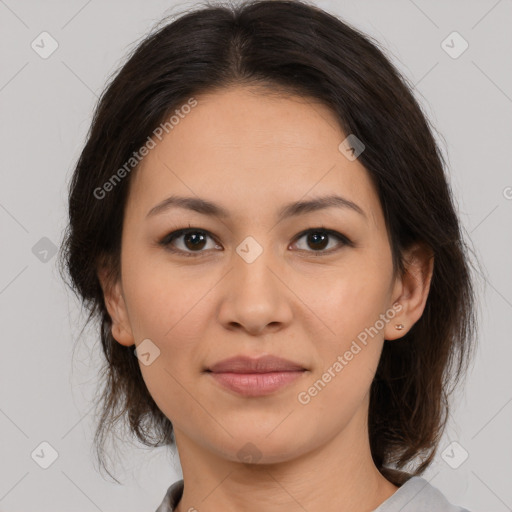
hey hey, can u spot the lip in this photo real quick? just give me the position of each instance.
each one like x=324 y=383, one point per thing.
x=262 y=364
x=255 y=376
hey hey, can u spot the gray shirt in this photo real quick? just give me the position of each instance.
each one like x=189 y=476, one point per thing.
x=415 y=495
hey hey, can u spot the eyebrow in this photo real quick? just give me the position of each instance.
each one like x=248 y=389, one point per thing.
x=205 y=207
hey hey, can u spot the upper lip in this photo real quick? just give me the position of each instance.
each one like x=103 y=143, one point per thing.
x=262 y=364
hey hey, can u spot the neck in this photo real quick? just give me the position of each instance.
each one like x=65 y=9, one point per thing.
x=338 y=476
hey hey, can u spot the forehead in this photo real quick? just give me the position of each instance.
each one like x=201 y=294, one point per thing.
x=247 y=148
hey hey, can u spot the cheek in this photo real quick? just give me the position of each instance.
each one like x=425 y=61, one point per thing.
x=169 y=309
x=350 y=303
x=349 y=310
x=348 y=352
x=159 y=296
x=165 y=312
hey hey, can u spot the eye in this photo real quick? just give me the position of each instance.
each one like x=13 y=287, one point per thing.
x=191 y=241
x=319 y=238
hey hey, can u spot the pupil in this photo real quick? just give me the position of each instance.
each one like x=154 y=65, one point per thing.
x=313 y=237
x=194 y=238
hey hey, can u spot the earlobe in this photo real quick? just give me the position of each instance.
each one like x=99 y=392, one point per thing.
x=411 y=290
x=116 y=307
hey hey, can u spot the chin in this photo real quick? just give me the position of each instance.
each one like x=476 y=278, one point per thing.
x=259 y=449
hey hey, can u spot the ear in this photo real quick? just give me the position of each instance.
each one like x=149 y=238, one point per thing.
x=411 y=290
x=116 y=307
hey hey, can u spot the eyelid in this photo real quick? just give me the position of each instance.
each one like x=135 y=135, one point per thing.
x=330 y=232
x=178 y=232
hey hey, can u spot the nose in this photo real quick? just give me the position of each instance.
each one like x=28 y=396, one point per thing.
x=255 y=296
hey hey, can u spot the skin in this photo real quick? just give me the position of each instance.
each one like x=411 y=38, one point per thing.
x=253 y=152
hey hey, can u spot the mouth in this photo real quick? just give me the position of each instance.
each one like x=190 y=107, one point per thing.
x=256 y=384
x=251 y=377
x=261 y=364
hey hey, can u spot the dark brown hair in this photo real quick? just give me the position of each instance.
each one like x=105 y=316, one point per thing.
x=296 y=48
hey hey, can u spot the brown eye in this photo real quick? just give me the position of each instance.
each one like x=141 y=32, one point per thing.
x=318 y=239
x=194 y=240
x=188 y=241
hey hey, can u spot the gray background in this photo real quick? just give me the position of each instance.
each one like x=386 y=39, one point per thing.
x=47 y=390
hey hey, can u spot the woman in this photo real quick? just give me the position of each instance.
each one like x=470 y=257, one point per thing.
x=261 y=220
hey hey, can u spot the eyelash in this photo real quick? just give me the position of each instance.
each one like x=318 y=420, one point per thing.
x=170 y=237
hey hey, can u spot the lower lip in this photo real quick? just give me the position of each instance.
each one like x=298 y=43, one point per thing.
x=256 y=384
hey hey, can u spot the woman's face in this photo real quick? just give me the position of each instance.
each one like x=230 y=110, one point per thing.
x=249 y=282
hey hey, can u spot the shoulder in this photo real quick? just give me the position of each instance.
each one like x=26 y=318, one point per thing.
x=418 y=495
x=172 y=497
x=415 y=495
